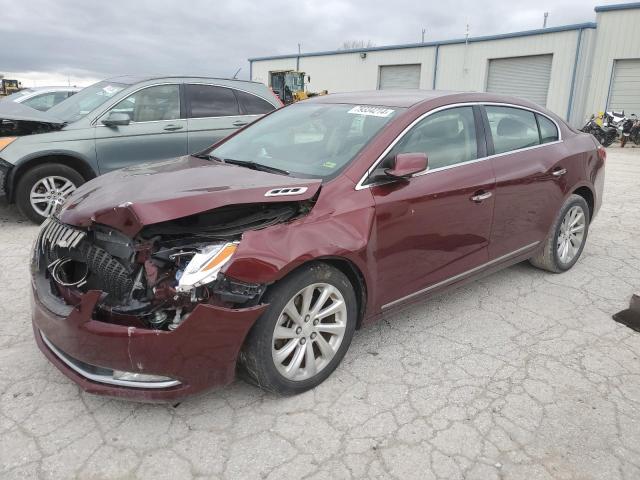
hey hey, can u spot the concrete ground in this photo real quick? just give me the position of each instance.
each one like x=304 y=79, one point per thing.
x=523 y=375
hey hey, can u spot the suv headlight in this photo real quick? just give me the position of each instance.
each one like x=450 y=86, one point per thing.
x=205 y=265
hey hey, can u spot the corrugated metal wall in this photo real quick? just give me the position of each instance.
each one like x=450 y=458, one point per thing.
x=465 y=66
x=617 y=37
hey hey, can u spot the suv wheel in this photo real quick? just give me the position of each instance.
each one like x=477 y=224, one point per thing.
x=44 y=187
x=305 y=332
x=567 y=239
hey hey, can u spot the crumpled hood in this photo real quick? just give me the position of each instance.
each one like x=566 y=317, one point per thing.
x=150 y=193
x=17 y=120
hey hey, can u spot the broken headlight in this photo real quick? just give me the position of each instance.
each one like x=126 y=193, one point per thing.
x=204 y=266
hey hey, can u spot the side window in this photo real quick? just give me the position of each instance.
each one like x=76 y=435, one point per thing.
x=252 y=104
x=512 y=128
x=161 y=102
x=44 y=101
x=447 y=137
x=210 y=101
x=548 y=130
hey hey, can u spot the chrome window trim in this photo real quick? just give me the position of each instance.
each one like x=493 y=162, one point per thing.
x=361 y=183
x=232 y=88
x=227 y=116
x=103 y=378
x=108 y=109
x=460 y=275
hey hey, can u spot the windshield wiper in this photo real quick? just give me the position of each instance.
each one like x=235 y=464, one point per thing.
x=256 y=166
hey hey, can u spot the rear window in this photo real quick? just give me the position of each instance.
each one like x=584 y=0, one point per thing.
x=252 y=104
x=211 y=101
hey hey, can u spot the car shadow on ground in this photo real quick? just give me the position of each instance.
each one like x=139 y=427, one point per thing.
x=10 y=214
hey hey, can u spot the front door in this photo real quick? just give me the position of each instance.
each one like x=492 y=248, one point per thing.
x=157 y=130
x=437 y=225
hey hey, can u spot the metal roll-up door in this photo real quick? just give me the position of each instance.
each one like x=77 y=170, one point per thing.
x=524 y=77
x=399 y=76
x=625 y=87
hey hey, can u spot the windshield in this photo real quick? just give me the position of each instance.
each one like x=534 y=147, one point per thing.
x=307 y=139
x=86 y=100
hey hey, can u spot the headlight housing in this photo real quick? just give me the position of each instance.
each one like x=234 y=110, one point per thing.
x=204 y=266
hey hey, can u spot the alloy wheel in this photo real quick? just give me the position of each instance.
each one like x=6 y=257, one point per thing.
x=48 y=192
x=309 y=331
x=571 y=235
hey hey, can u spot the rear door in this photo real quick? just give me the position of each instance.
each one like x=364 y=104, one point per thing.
x=215 y=111
x=530 y=166
x=158 y=129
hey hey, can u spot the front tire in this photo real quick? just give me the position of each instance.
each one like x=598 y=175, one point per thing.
x=43 y=187
x=567 y=239
x=304 y=334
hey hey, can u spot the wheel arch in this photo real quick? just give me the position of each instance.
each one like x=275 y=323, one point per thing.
x=81 y=166
x=586 y=193
x=353 y=274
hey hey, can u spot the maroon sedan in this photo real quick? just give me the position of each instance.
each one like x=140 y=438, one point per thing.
x=270 y=249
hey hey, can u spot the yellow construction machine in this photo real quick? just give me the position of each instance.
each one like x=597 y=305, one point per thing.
x=289 y=85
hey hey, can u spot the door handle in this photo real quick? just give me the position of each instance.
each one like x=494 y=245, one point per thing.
x=240 y=123
x=171 y=128
x=558 y=172
x=480 y=195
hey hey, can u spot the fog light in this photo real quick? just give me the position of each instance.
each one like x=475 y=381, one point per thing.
x=139 y=377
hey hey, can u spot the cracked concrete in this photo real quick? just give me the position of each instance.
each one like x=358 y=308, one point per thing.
x=522 y=375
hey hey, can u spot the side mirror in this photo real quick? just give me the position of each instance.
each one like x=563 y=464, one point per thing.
x=406 y=165
x=115 y=119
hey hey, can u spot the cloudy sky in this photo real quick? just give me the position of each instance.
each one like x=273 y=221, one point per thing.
x=47 y=42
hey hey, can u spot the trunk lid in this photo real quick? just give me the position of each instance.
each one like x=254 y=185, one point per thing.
x=150 y=193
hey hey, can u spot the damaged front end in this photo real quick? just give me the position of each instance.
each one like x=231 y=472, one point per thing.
x=156 y=279
x=17 y=120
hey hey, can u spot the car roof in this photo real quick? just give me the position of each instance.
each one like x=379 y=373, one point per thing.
x=133 y=79
x=408 y=98
x=52 y=89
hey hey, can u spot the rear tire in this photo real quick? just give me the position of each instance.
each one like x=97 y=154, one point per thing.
x=292 y=348
x=568 y=236
x=41 y=187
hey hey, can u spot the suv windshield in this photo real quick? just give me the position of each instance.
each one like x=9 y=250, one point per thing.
x=307 y=139
x=86 y=100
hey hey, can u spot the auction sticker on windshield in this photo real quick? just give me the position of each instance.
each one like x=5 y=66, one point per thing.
x=369 y=110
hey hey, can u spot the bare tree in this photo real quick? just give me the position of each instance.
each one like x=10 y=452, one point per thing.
x=351 y=44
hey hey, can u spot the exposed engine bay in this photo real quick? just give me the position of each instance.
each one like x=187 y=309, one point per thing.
x=157 y=278
x=18 y=128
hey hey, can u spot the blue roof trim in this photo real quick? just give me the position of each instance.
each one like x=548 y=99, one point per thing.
x=617 y=6
x=526 y=33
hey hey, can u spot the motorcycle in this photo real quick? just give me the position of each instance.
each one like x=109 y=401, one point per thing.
x=624 y=128
x=634 y=132
x=604 y=134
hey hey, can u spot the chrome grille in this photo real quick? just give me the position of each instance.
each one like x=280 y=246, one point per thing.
x=53 y=234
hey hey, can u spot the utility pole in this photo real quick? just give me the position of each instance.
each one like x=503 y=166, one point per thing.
x=424 y=30
x=298 y=59
x=544 y=23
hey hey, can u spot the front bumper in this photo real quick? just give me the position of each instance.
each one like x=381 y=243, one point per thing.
x=201 y=353
x=5 y=168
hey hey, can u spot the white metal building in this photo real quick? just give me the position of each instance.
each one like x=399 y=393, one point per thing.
x=573 y=70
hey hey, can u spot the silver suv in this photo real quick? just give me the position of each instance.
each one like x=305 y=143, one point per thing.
x=44 y=156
